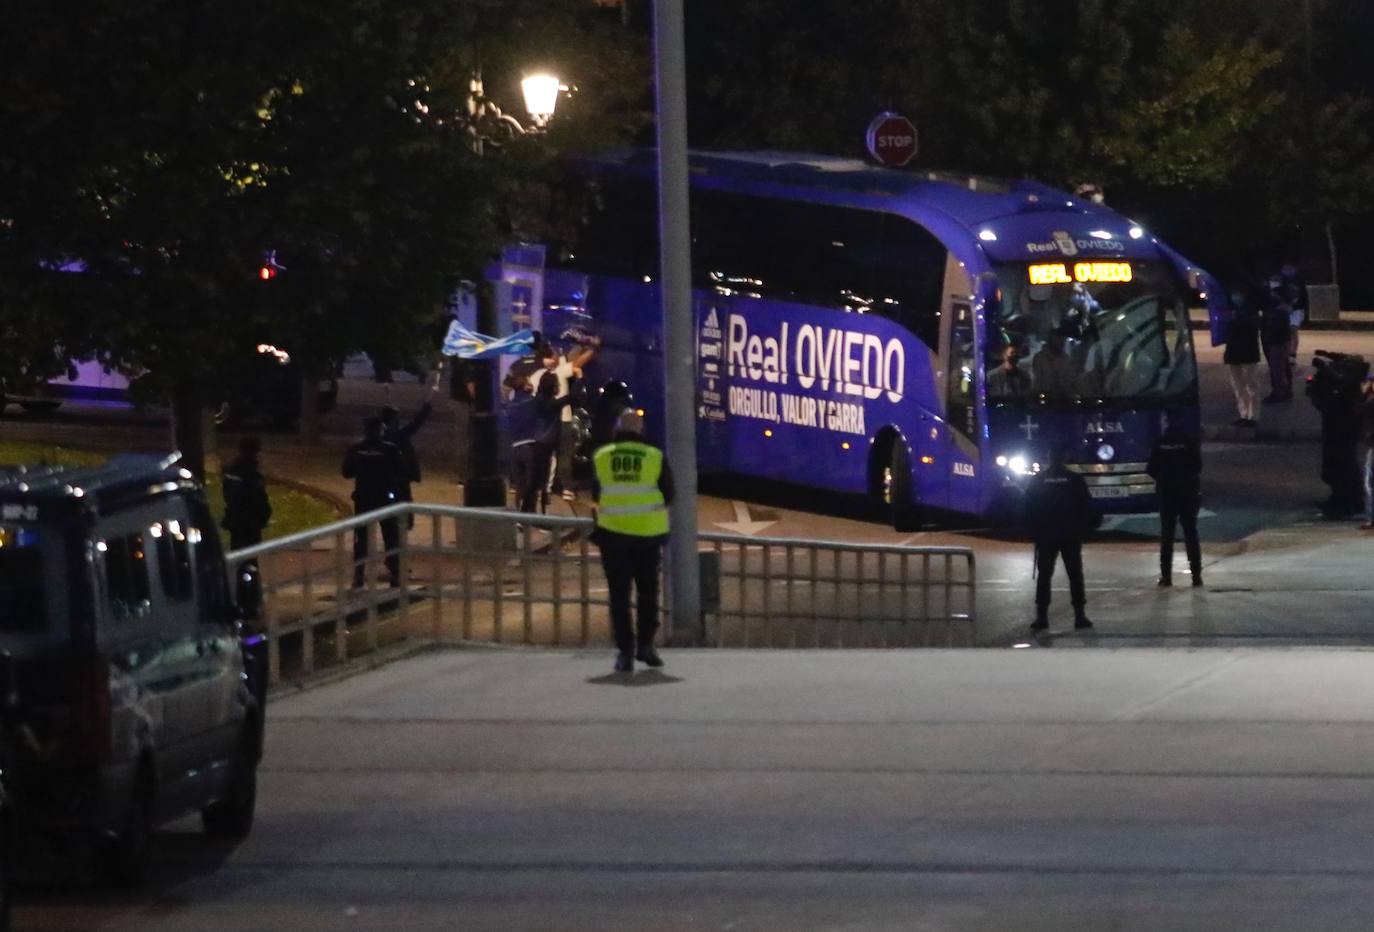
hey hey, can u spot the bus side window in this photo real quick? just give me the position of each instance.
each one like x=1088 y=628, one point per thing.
x=732 y=244
x=832 y=253
x=784 y=250
x=619 y=234
x=911 y=272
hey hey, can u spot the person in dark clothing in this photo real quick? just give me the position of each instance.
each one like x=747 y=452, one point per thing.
x=394 y=432
x=246 y=506
x=1241 y=356
x=1295 y=290
x=1059 y=514
x=1336 y=390
x=632 y=488
x=378 y=469
x=1176 y=466
x=1009 y=381
x=1276 y=337
x=534 y=449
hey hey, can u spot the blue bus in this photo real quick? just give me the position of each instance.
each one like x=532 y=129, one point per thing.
x=851 y=322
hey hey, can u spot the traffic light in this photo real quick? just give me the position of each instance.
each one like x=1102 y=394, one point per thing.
x=270 y=266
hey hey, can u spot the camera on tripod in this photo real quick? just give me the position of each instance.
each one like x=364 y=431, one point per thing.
x=1337 y=376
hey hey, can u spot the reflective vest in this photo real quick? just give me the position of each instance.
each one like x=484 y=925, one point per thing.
x=631 y=501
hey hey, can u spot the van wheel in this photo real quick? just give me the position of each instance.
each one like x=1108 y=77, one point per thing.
x=232 y=816
x=898 y=493
x=124 y=859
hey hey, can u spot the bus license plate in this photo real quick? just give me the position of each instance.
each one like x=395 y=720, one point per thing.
x=1109 y=491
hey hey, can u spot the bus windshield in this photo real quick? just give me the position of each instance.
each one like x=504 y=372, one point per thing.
x=1090 y=331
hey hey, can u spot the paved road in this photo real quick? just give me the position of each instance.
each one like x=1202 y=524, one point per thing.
x=971 y=790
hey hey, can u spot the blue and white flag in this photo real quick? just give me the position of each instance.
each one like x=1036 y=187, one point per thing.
x=469 y=344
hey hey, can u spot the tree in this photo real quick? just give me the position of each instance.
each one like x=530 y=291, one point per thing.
x=169 y=146
x=1202 y=117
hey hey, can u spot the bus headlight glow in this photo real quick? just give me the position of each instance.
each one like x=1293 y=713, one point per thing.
x=1106 y=452
x=1018 y=465
x=1001 y=461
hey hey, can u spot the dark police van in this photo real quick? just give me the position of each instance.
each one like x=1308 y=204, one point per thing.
x=132 y=701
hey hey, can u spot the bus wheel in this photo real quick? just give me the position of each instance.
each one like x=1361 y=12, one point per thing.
x=897 y=490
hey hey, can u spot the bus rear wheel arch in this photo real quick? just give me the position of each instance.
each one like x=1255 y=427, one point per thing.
x=892 y=482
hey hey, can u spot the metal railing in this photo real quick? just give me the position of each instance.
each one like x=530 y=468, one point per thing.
x=497 y=576
x=792 y=592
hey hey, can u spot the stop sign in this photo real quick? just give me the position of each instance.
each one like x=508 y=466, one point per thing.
x=892 y=139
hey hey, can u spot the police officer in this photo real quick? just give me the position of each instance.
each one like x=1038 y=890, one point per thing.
x=246 y=506
x=1176 y=467
x=393 y=431
x=378 y=470
x=632 y=488
x=1059 y=514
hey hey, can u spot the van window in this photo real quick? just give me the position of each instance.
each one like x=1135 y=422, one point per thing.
x=22 y=603
x=214 y=585
x=173 y=560
x=126 y=576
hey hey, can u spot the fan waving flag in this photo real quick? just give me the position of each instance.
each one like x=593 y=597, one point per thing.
x=469 y=344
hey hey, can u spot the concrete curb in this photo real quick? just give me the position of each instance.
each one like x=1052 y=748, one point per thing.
x=411 y=647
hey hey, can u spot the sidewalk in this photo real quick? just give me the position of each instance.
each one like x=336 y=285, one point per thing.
x=1283 y=586
x=967 y=790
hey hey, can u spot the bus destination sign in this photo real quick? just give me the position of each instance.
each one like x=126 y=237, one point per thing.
x=1060 y=273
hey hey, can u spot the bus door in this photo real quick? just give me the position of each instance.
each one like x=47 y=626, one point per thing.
x=960 y=464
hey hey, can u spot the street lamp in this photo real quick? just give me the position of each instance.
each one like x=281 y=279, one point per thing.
x=486 y=123
x=541 y=97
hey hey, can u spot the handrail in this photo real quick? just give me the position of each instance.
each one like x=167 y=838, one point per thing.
x=493 y=574
x=846 y=546
x=398 y=510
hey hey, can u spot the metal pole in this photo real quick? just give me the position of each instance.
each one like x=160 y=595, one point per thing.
x=679 y=363
x=483 y=486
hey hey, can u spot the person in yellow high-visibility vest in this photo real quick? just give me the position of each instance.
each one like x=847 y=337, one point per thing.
x=632 y=490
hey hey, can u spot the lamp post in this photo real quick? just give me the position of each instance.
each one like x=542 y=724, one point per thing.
x=487 y=125
x=679 y=351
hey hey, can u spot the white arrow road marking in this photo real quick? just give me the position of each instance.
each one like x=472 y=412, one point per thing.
x=1112 y=522
x=744 y=522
